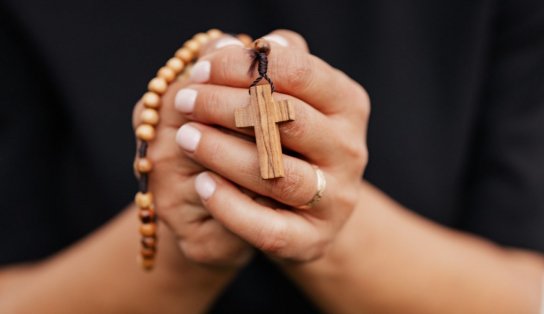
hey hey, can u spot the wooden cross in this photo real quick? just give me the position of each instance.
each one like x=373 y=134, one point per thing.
x=263 y=114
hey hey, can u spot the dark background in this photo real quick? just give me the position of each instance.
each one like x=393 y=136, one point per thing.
x=456 y=132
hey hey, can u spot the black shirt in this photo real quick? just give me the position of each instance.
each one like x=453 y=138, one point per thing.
x=456 y=132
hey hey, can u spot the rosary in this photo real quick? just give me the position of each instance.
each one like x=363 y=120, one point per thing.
x=262 y=113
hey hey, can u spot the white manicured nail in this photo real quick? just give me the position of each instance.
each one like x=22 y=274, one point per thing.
x=200 y=72
x=188 y=137
x=205 y=185
x=228 y=41
x=185 y=100
x=280 y=40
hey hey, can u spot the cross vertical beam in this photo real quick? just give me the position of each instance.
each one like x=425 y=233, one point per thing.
x=263 y=114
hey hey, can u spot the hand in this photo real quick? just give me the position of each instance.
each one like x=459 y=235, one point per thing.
x=201 y=238
x=329 y=131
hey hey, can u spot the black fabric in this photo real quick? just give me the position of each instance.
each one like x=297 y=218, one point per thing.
x=456 y=133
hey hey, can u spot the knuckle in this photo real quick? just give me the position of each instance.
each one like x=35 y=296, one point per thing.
x=288 y=186
x=297 y=71
x=362 y=100
x=273 y=240
x=357 y=152
x=295 y=129
x=197 y=253
x=208 y=104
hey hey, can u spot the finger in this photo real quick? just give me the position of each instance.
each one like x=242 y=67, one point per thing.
x=287 y=38
x=237 y=160
x=211 y=243
x=225 y=41
x=275 y=231
x=293 y=71
x=201 y=238
x=310 y=134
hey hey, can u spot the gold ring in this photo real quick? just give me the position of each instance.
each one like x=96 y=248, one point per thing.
x=321 y=185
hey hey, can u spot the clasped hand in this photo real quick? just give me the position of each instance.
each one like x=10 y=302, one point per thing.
x=206 y=179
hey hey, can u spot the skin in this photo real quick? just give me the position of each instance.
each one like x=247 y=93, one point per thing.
x=339 y=251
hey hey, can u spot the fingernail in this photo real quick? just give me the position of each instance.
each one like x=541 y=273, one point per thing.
x=280 y=40
x=201 y=72
x=185 y=100
x=205 y=185
x=188 y=137
x=228 y=41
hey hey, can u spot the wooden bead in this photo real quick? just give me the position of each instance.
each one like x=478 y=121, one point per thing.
x=144 y=200
x=202 y=38
x=146 y=263
x=245 y=39
x=167 y=74
x=185 y=54
x=145 y=132
x=176 y=64
x=147 y=215
x=149 y=242
x=149 y=116
x=157 y=85
x=148 y=230
x=193 y=46
x=147 y=252
x=151 y=100
x=214 y=33
x=143 y=165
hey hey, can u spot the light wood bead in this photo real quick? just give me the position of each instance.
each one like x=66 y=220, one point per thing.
x=145 y=132
x=151 y=100
x=157 y=85
x=148 y=230
x=167 y=74
x=146 y=215
x=144 y=200
x=143 y=165
x=147 y=252
x=245 y=39
x=150 y=242
x=146 y=263
x=176 y=64
x=202 y=38
x=192 y=45
x=185 y=54
x=149 y=116
x=214 y=33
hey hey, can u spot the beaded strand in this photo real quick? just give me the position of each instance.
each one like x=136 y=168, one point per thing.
x=146 y=132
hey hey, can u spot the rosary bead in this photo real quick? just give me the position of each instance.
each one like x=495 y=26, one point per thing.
x=214 y=33
x=147 y=252
x=148 y=230
x=245 y=39
x=149 y=242
x=145 y=132
x=157 y=85
x=151 y=100
x=185 y=54
x=202 y=38
x=147 y=215
x=143 y=165
x=149 y=116
x=192 y=45
x=175 y=64
x=144 y=200
x=167 y=74
x=146 y=263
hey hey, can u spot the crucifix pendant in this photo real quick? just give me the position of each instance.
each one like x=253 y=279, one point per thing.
x=263 y=114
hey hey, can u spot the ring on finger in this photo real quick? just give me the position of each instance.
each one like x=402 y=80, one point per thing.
x=321 y=185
